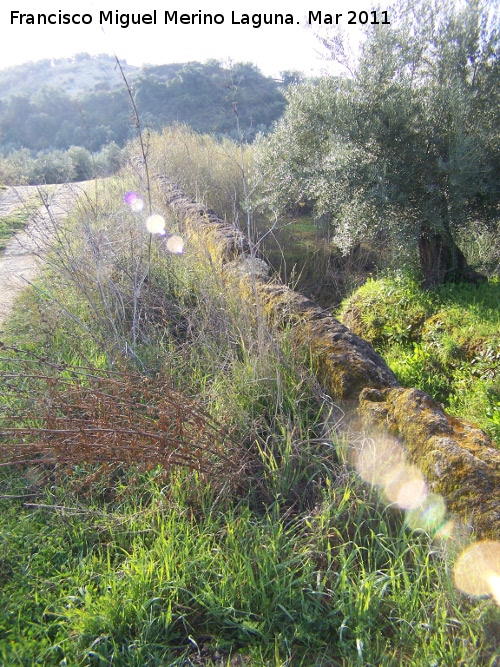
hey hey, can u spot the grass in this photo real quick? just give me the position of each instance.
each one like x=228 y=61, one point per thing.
x=16 y=220
x=10 y=224
x=142 y=570
x=280 y=557
x=445 y=342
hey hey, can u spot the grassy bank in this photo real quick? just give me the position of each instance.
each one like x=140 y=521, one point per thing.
x=22 y=210
x=445 y=342
x=187 y=502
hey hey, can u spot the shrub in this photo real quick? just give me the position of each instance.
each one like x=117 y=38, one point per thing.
x=388 y=310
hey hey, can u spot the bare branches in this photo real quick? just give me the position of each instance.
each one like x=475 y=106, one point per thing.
x=92 y=415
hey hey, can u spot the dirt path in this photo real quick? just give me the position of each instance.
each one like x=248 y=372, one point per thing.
x=20 y=260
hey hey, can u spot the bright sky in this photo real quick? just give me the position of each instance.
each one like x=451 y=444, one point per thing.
x=273 y=48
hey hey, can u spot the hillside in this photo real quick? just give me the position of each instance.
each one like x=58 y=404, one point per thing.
x=75 y=76
x=83 y=101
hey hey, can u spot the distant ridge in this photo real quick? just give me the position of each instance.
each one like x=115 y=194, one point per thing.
x=75 y=75
x=82 y=101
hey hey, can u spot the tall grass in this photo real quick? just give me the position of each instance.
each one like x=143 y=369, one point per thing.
x=207 y=169
x=266 y=551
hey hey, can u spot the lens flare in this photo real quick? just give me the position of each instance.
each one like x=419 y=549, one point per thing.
x=406 y=488
x=155 y=224
x=134 y=201
x=477 y=570
x=447 y=532
x=382 y=462
x=131 y=197
x=175 y=245
x=494 y=583
x=376 y=460
x=429 y=516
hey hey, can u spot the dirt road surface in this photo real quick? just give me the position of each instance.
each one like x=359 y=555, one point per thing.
x=21 y=259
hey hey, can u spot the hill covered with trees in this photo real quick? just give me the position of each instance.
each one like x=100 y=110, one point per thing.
x=50 y=107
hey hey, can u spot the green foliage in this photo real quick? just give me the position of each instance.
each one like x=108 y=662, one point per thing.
x=135 y=569
x=57 y=166
x=388 y=310
x=445 y=342
x=51 y=137
x=74 y=75
x=201 y=95
x=404 y=152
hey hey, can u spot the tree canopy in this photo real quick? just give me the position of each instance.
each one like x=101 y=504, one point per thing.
x=405 y=147
x=198 y=94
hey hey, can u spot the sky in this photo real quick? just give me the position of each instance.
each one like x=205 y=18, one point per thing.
x=274 y=48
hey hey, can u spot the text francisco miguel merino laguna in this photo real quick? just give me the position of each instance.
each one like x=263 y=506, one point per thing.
x=198 y=18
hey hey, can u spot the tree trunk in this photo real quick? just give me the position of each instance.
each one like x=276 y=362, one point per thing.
x=442 y=261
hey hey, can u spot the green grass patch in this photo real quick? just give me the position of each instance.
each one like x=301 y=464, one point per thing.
x=18 y=218
x=124 y=569
x=10 y=224
x=445 y=342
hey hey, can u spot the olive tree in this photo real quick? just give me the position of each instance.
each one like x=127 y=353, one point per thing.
x=404 y=147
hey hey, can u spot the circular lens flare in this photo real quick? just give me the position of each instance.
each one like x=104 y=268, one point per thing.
x=447 y=533
x=155 y=224
x=494 y=584
x=382 y=462
x=406 y=487
x=134 y=201
x=131 y=197
x=175 y=245
x=429 y=516
x=477 y=570
x=376 y=460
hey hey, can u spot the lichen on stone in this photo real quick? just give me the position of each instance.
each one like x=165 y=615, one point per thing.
x=458 y=460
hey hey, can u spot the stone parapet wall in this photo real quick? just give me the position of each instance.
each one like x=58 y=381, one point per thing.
x=459 y=461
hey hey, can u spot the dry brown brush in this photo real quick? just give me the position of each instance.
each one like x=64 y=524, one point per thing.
x=53 y=412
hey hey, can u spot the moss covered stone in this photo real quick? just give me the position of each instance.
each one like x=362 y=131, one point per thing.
x=457 y=458
x=344 y=362
x=230 y=240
